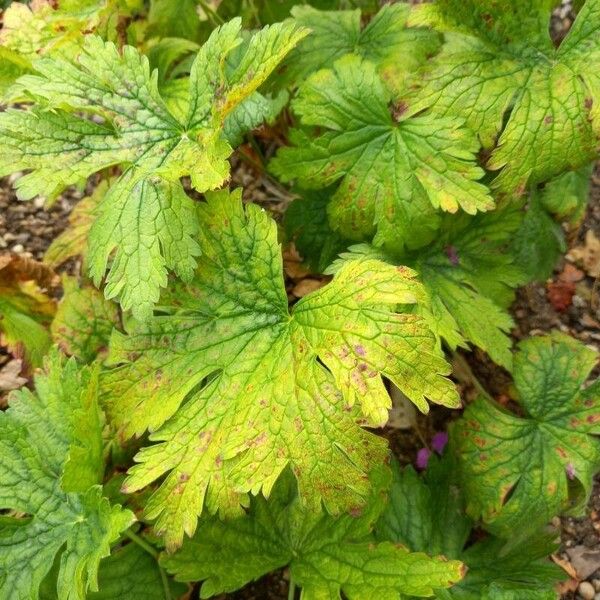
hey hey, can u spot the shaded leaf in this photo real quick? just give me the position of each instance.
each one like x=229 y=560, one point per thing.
x=84 y=321
x=427 y=514
x=517 y=469
x=25 y=310
x=326 y=556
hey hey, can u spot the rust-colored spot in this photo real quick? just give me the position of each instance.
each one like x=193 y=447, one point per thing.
x=593 y=418
x=561 y=452
x=479 y=441
x=549 y=120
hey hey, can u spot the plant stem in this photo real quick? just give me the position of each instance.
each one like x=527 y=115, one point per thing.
x=292 y=590
x=467 y=372
x=149 y=549
x=212 y=15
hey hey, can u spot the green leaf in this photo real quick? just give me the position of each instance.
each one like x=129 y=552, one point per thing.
x=535 y=106
x=307 y=225
x=394 y=171
x=260 y=12
x=517 y=469
x=84 y=321
x=145 y=219
x=168 y=19
x=567 y=195
x=326 y=556
x=48 y=443
x=129 y=573
x=539 y=242
x=468 y=277
x=427 y=514
x=394 y=49
x=240 y=388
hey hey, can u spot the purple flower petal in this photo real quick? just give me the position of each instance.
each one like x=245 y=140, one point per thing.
x=423 y=458
x=439 y=441
x=570 y=469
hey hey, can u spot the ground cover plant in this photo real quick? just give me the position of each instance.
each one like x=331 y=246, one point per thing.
x=201 y=381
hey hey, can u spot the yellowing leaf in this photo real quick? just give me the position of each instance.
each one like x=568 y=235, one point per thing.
x=235 y=388
x=535 y=105
x=326 y=556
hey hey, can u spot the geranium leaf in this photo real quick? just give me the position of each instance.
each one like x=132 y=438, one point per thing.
x=84 y=321
x=145 y=218
x=258 y=397
x=49 y=443
x=394 y=48
x=427 y=514
x=517 y=469
x=525 y=98
x=468 y=277
x=394 y=171
x=326 y=556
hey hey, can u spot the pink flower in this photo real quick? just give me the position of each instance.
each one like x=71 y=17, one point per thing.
x=423 y=458
x=439 y=441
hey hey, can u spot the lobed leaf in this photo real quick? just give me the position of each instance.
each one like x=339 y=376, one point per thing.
x=84 y=321
x=468 y=276
x=145 y=219
x=393 y=171
x=517 y=469
x=234 y=387
x=533 y=105
x=395 y=49
x=50 y=465
x=427 y=514
x=326 y=556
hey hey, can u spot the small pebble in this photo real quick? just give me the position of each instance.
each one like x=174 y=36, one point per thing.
x=596 y=584
x=586 y=590
x=18 y=248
